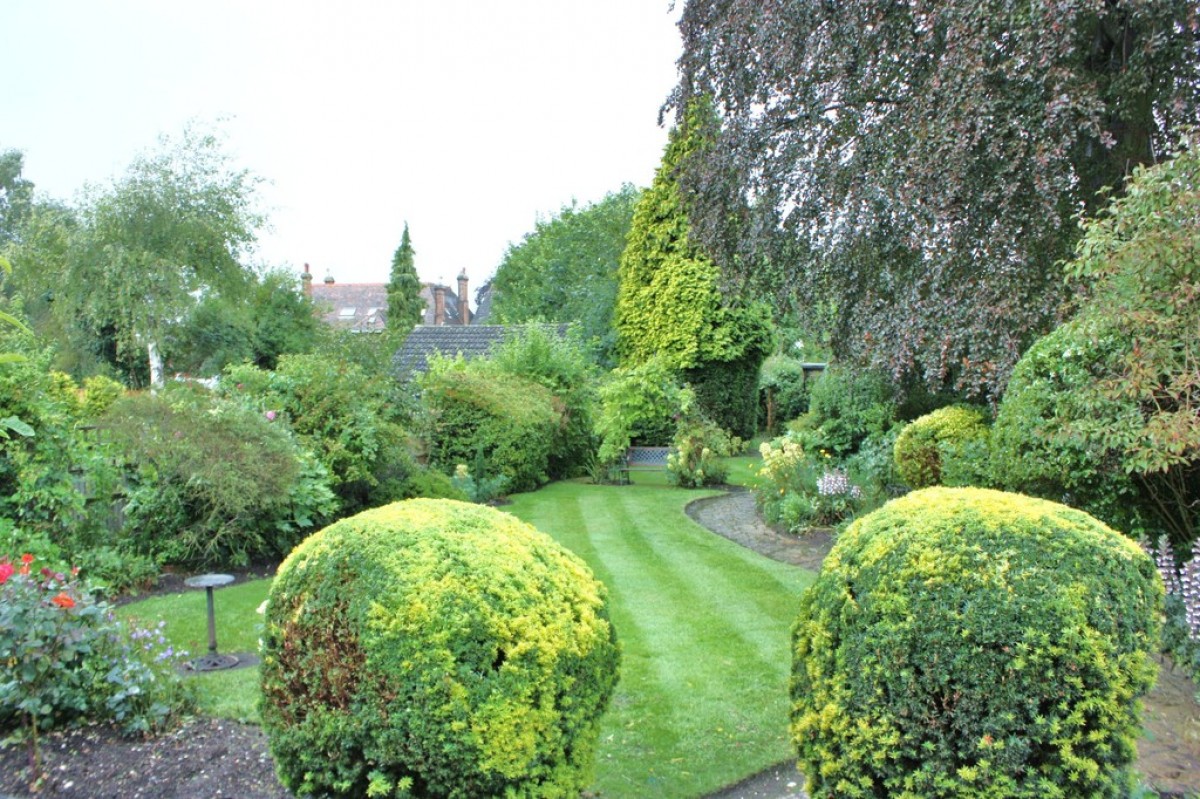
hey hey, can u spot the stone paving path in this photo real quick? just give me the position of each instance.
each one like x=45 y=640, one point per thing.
x=1168 y=753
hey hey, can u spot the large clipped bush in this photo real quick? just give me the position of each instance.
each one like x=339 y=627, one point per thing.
x=925 y=445
x=1053 y=434
x=496 y=423
x=965 y=642
x=434 y=648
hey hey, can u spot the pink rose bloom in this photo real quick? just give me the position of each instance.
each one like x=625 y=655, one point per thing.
x=270 y=416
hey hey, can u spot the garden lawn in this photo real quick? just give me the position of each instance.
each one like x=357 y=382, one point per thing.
x=226 y=694
x=703 y=623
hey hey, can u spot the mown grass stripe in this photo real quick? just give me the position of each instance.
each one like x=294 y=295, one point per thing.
x=704 y=642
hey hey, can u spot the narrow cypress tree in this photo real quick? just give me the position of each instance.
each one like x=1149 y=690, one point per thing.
x=404 y=288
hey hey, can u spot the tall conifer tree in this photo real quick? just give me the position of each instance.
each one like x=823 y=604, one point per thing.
x=404 y=288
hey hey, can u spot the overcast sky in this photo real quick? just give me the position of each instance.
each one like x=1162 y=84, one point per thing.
x=470 y=119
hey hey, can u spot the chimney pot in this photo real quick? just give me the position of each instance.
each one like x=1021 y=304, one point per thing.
x=464 y=307
x=439 y=305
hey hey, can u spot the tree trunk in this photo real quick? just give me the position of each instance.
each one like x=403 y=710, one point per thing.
x=156 y=365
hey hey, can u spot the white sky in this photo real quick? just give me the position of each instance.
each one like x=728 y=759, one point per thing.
x=470 y=119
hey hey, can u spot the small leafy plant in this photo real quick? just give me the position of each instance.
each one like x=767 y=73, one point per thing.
x=799 y=493
x=65 y=657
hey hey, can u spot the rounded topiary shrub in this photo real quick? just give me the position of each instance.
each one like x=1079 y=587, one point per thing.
x=924 y=445
x=435 y=648
x=964 y=642
x=1053 y=433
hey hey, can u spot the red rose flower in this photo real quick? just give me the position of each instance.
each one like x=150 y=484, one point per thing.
x=6 y=570
x=63 y=600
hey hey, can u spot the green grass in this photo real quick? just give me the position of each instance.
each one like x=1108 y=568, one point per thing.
x=703 y=623
x=704 y=626
x=225 y=694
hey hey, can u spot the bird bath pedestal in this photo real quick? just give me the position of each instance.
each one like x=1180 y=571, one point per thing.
x=212 y=661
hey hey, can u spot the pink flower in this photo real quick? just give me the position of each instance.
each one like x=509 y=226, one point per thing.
x=6 y=570
x=270 y=416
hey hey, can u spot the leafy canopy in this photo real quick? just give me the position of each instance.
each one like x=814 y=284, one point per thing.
x=565 y=270
x=913 y=170
x=171 y=229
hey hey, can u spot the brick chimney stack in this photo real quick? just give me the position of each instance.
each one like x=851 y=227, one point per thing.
x=464 y=308
x=306 y=282
x=439 y=305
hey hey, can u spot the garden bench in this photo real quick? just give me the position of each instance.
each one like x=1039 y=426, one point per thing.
x=642 y=459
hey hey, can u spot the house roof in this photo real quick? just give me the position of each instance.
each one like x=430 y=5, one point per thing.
x=483 y=303
x=354 y=306
x=471 y=341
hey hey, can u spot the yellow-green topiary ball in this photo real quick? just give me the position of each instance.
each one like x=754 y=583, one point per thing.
x=924 y=445
x=434 y=648
x=974 y=644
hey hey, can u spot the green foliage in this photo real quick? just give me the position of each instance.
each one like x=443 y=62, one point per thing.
x=99 y=394
x=405 y=305
x=1142 y=255
x=913 y=171
x=783 y=391
x=169 y=230
x=212 y=481
x=431 y=484
x=669 y=300
x=699 y=448
x=270 y=317
x=798 y=490
x=561 y=365
x=48 y=469
x=64 y=658
x=342 y=415
x=565 y=270
x=727 y=393
x=970 y=643
x=499 y=423
x=638 y=404
x=435 y=649
x=845 y=407
x=478 y=487
x=927 y=443
x=1051 y=438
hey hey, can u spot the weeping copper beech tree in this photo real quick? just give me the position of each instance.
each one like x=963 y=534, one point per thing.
x=911 y=172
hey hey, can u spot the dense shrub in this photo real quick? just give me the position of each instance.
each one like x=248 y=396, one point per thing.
x=433 y=648
x=341 y=414
x=48 y=468
x=497 y=423
x=561 y=365
x=845 y=408
x=1049 y=441
x=700 y=448
x=783 y=391
x=972 y=643
x=211 y=481
x=727 y=393
x=638 y=405
x=925 y=444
